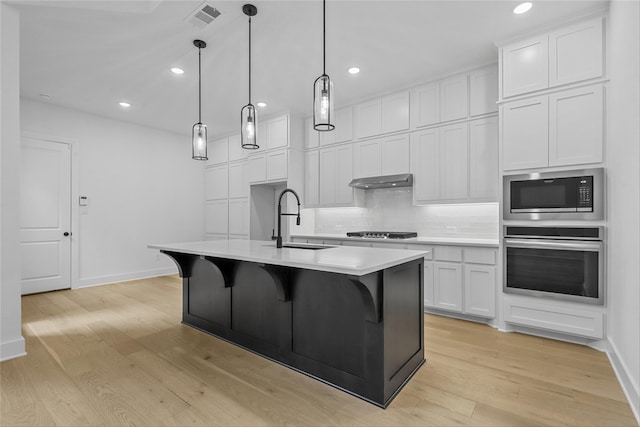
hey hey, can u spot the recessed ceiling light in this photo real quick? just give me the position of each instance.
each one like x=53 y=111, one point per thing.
x=354 y=70
x=261 y=104
x=176 y=70
x=125 y=104
x=522 y=8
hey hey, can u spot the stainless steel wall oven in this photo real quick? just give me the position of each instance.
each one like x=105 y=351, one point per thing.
x=564 y=263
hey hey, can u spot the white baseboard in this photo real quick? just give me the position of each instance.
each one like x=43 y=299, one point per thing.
x=630 y=389
x=114 y=278
x=12 y=349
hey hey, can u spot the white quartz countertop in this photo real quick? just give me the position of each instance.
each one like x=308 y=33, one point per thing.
x=335 y=259
x=460 y=241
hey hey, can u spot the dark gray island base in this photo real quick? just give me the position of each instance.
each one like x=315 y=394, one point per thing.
x=360 y=333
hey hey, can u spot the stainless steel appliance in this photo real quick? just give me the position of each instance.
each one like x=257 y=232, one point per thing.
x=383 y=234
x=564 y=263
x=565 y=195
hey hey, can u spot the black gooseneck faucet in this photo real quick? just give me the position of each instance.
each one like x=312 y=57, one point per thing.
x=279 y=236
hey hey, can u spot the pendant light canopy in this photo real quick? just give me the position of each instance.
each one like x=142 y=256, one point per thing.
x=199 y=132
x=323 y=90
x=249 y=122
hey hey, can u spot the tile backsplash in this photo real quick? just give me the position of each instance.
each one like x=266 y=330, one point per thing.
x=392 y=209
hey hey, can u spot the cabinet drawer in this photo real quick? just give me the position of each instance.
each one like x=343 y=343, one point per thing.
x=427 y=257
x=359 y=244
x=480 y=256
x=389 y=245
x=447 y=253
x=558 y=318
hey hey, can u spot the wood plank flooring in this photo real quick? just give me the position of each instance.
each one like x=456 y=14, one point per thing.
x=118 y=355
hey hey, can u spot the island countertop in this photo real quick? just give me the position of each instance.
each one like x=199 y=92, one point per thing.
x=335 y=259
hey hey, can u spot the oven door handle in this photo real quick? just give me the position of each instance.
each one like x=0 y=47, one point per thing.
x=554 y=244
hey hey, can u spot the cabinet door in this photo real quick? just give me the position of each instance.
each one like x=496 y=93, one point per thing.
x=483 y=159
x=327 y=176
x=239 y=216
x=344 y=125
x=575 y=53
x=480 y=290
x=395 y=112
x=454 y=98
x=425 y=105
x=261 y=137
x=218 y=151
x=483 y=91
x=216 y=182
x=217 y=217
x=236 y=152
x=525 y=66
x=238 y=184
x=368 y=158
x=312 y=136
x=257 y=168
x=311 y=178
x=525 y=134
x=454 y=159
x=278 y=132
x=425 y=164
x=428 y=284
x=576 y=126
x=344 y=174
x=277 y=165
x=369 y=118
x=447 y=286
x=395 y=155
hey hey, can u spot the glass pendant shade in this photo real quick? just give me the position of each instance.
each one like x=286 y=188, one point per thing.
x=323 y=104
x=249 y=129
x=199 y=142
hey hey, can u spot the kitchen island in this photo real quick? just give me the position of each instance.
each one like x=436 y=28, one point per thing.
x=350 y=317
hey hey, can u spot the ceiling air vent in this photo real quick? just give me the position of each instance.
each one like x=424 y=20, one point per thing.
x=203 y=15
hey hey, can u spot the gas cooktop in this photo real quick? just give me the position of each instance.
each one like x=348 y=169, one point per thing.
x=383 y=234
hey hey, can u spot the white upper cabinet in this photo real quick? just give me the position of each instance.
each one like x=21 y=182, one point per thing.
x=217 y=217
x=483 y=159
x=525 y=66
x=395 y=155
x=369 y=118
x=239 y=216
x=312 y=179
x=576 y=126
x=277 y=165
x=454 y=98
x=576 y=52
x=238 y=184
x=483 y=91
x=216 y=182
x=525 y=134
x=218 y=152
x=261 y=137
x=236 y=152
x=454 y=155
x=425 y=105
x=257 y=168
x=277 y=132
x=425 y=164
x=336 y=171
x=311 y=136
x=368 y=158
x=343 y=121
x=395 y=112
x=383 y=115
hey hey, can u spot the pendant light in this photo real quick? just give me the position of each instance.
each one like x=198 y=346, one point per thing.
x=323 y=90
x=249 y=123
x=199 y=132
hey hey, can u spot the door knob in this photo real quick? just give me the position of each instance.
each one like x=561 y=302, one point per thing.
x=66 y=233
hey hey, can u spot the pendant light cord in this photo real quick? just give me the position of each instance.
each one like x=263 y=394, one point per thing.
x=199 y=89
x=324 y=38
x=249 y=59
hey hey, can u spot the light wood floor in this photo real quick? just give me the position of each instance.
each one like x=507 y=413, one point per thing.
x=118 y=355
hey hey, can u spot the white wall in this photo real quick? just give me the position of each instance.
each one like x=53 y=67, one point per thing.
x=143 y=187
x=623 y=164
x=11 y=341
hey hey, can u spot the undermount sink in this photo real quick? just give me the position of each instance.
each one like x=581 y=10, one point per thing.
x=305 y=246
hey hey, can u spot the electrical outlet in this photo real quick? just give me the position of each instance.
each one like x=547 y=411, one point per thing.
x=452 y=229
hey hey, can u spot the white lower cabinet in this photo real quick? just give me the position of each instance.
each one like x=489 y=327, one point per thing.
x=428 y=284
x=480 y=290
x=447 y=286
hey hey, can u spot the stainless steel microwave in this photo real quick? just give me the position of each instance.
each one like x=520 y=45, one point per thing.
x=564 y=195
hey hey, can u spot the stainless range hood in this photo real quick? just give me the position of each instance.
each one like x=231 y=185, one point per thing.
x=387 y=181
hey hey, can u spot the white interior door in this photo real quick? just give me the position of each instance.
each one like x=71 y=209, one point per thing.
x=45 y=215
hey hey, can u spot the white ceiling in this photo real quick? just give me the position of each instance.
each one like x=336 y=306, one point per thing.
x=89 y=55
